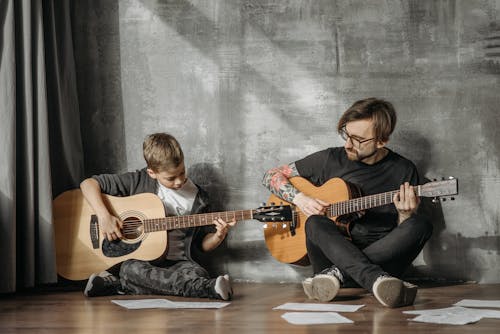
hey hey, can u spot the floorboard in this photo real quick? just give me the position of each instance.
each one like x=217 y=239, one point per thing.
x=56 y=311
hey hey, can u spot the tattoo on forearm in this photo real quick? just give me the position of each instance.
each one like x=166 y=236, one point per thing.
x=276 y=180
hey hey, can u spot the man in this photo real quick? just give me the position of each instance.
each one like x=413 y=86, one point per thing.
x=384 y=240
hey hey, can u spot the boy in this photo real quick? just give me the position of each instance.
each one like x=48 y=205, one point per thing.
x=176 y=274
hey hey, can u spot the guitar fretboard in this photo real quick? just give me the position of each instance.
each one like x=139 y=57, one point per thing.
x=175 y=222
x=363 y=203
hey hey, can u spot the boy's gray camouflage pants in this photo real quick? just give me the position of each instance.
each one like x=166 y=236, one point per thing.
x=180 y=278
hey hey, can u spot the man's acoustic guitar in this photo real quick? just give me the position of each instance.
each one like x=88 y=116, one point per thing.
x=287 y=240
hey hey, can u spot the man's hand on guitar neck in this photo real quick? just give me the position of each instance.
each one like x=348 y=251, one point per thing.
x=406 y=202
x=310 y=206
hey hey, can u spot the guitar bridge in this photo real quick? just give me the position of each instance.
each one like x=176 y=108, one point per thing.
x=94 y=231
x=293 y=226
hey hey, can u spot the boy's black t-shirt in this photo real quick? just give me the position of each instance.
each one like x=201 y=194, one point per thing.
x=386 y=175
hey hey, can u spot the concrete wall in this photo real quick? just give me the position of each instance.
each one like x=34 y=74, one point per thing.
x=251 y=84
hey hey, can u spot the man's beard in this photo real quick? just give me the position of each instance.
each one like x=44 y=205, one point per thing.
x=354 y=155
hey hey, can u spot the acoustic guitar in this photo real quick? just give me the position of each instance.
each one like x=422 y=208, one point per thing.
x=286 y=241
x=81 y=250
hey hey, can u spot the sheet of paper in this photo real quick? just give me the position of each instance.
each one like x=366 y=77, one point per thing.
x=318 y=307
x=200 y=304
x=315 y=318
x=459 y=310
x=134 y=304
x=455 y=319
x=447 y=310
x=478 y=303
x=455 y=315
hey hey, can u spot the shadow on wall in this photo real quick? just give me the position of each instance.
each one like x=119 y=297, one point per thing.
x=447 y=256
x=212 y=181
x=450 y=257
x=97 y=58
x=417 y=148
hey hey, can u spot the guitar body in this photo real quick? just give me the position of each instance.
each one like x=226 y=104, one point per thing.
x=80 y=248
x=289 y=248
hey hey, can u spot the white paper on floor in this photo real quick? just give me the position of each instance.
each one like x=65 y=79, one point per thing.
x=318 y=307
x=134 y=304
x=315 y=318
x=478 y=303
x=448 y=319
x=455 y=315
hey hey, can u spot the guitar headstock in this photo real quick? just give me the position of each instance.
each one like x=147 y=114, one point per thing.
x=445 y=187
x=273 y=213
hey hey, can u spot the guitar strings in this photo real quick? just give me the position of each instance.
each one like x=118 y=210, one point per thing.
x=132 y=225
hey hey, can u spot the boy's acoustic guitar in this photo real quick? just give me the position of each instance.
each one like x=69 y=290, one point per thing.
x=287 y=241
x=81 y=250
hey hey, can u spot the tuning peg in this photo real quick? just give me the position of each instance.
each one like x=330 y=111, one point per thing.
x=263 y=204
x=452 y=198
x=272 y=203
x=442 y=179
x=284 y=225
x=434 y=179
x=264 y=226
x=444 y=199
x=435 y=200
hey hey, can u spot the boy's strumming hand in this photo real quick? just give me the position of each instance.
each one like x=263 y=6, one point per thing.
x=110 y=227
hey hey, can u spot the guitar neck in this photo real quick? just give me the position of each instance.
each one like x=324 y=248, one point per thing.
x=176 y=222
x=364 y=203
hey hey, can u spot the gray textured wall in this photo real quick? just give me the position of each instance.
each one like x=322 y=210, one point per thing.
x=247 y=85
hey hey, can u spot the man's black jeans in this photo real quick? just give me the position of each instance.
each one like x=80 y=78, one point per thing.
x=391 y=254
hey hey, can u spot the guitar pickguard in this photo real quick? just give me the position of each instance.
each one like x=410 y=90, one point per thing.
x=118 y=248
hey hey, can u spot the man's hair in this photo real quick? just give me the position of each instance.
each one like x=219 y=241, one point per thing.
x=380 y=111
x=162 y=152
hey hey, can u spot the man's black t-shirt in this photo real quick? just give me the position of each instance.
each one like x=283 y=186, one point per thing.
x=385 y=175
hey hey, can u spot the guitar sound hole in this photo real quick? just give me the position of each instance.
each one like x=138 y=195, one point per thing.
x=133 y=228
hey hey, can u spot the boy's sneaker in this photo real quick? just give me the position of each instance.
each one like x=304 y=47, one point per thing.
x=102 y=284
x=393 y=292
x=223 y=287
x=323 y=286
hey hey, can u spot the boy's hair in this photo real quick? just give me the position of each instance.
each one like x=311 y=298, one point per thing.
x=380 y=111
x=162 y=152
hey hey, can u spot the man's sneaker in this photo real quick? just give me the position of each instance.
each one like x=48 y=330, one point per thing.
x=393 y=292
x=102 y=284
x=223 y=287
x=323 y=286
x=307 y=286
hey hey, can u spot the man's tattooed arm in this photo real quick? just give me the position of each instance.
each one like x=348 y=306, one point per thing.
x=276 y=180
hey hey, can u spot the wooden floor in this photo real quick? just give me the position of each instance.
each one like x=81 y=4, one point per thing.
x=249 y=312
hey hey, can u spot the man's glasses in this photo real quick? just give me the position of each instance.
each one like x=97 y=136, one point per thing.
x=355 y=142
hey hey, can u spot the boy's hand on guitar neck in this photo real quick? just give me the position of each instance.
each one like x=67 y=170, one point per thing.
x=406 y=202
x=110 y=226
x=222 y=227
x=310 y=206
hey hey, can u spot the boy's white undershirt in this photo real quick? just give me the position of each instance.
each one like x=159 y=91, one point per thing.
x=178 y=202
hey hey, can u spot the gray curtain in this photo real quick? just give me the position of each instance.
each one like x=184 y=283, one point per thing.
x=40 y=141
